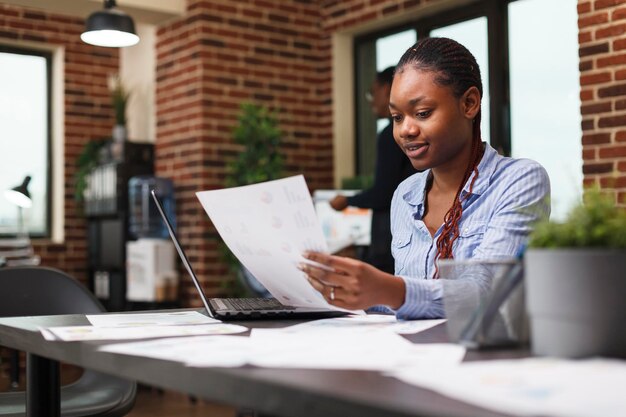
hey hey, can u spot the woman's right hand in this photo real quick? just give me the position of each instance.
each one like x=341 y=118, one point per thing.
x=352 y=284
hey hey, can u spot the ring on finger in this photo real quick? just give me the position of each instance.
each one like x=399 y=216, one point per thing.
x=332 y=293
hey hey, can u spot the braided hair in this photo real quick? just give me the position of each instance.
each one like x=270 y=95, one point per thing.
x=455 y=67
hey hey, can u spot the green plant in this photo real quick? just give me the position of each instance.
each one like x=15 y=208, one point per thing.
x=119 y=99
x=596 y=222
x=359 y=182
x=258 y=132
x=86 y=161
x=259 y=135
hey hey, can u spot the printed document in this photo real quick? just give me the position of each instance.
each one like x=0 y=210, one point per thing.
x=368 y=323
x=172 y=318
x=268 y=226
x=548 y=387
x=377 y=350
x=75 y=333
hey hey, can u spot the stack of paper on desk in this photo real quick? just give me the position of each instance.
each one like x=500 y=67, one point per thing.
x=323 y=348
x=171 y=318
x=534 y=386
x=141 y=326
x=75 y=333
x=369 y=322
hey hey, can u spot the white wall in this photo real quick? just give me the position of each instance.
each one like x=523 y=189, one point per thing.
x=138 y=74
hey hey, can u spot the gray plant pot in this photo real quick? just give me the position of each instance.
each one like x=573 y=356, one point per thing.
x=576 y=300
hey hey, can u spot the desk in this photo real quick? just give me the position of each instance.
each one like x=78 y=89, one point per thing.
x=281 y=392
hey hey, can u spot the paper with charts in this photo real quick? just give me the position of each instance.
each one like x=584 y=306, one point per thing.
x=267 y=226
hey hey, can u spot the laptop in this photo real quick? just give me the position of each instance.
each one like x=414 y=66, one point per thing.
x=242 y=308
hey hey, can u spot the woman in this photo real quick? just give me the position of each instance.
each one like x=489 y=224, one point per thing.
x=468 y=201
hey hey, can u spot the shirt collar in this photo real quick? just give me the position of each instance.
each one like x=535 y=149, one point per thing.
x=417 y=191
x=486 y=167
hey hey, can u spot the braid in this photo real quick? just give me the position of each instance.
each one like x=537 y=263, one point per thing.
x=451 y=220
x=455 y=67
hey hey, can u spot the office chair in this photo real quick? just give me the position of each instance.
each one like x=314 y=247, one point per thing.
x=37 y=291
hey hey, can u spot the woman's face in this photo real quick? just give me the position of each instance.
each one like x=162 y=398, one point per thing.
x=430 y=124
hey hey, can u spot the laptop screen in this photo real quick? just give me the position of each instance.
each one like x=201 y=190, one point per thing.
x=182 y=255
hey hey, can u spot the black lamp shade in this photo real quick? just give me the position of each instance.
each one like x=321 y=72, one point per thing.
x=110 y=27
x=19 y=195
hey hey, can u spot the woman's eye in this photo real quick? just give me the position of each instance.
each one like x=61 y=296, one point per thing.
x=396 y=118
x=423 y=114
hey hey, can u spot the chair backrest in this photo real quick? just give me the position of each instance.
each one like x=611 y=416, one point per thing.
x=41 y=291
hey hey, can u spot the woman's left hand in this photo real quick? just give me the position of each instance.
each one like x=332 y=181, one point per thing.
x=352 y=284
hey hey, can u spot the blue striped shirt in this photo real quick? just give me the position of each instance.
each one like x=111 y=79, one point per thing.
x=508 y=196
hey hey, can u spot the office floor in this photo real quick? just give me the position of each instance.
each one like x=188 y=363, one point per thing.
x=150 y=402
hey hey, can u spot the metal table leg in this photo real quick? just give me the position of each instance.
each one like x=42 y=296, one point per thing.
x=15 y=369
x=43 y=387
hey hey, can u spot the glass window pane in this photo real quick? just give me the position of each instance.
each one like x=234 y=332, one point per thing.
x=388 y=52
x=473 y=35
x=24 y=137
x=545 y=103
x=390 y=48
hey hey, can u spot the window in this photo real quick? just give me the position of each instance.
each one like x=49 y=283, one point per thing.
x=530 y=101
x=25 y=136
x=372 y=56
x=545 y=94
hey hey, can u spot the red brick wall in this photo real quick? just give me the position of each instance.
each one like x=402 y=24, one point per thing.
x=221 y=54
x=88 y=113
x=602 y=38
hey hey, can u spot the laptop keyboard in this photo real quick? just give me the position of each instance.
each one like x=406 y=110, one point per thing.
x=254 y=304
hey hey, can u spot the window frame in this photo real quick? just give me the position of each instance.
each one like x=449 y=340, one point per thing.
x=48 y=57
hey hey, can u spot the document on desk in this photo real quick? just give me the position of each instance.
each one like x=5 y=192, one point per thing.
x=171 y=318
x=76 y=333
x=534 y=386
x=216 y=351
x=335 y=348
x=268 y=226
x=370 y=322
x=280 y=348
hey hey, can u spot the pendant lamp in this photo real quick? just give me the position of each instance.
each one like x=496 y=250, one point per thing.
x=110 y=27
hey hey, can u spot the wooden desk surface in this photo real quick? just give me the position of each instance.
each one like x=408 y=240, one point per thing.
x=282 y=392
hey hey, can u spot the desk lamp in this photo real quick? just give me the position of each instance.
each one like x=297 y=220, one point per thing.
x=21 y=198
x=110 y=27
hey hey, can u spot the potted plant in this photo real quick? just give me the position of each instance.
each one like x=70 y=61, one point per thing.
x=575 y=283
x=258 y=134
x=87 y=160
x=119 y=100
x=259 y=160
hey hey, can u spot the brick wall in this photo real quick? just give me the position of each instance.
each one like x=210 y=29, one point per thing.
x=602 y=38
x=88 y=113
x=222 y=54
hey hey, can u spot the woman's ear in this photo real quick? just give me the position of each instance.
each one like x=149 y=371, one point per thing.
x=470 y=102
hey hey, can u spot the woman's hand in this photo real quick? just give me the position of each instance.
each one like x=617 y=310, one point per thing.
x=351 y=284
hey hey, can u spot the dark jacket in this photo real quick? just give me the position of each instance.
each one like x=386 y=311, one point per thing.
x=392 y=167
